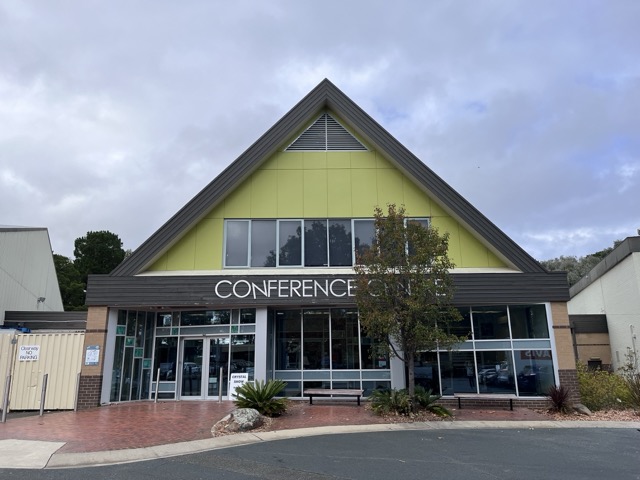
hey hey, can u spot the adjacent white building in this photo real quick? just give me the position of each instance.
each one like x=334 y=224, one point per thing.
x=612 y=288
x=28 y=278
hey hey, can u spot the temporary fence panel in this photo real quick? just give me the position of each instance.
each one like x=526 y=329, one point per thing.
x=6 y=354
x=59 y=355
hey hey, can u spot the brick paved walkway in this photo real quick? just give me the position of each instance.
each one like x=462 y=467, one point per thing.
x=145 y=424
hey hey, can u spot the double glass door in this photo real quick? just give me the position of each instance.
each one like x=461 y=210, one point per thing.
x=205 y=367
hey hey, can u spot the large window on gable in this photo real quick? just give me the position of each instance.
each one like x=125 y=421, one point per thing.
x=334 y=242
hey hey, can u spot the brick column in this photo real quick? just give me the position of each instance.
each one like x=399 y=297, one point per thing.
x=90 y=387
x=565 y=357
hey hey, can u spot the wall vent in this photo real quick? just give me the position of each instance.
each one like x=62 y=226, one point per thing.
x=326 y=134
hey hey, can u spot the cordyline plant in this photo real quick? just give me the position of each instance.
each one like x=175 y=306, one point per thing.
x=404 y=289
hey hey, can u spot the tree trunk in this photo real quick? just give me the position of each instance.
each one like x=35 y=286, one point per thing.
x=411 y=378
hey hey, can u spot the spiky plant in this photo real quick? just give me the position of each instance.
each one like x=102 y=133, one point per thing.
x=261 y=397
x=559 y=396
x=427 y=401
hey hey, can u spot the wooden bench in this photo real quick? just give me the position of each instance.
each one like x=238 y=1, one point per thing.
x=482 y=396
x=338 y=392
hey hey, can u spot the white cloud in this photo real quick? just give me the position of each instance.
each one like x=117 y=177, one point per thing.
x=112 y=116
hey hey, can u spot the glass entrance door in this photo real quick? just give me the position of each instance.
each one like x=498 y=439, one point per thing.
x=218 y=367
x=205 y=367
x=192 y=359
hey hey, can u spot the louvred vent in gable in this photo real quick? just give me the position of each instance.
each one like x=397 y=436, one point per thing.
x=326 y=134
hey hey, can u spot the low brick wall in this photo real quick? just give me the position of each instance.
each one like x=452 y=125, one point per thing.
x=495 y=404
x=89 y=391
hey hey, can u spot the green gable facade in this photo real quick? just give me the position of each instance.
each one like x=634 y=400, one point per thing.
x=253 y=278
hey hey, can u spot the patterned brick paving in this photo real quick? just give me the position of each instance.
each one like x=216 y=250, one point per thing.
x=144 y=424
x=120 y=426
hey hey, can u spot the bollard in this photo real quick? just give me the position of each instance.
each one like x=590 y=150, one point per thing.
x=43 y=395
x=155 y=397
x=5 y=400
x=75 y=403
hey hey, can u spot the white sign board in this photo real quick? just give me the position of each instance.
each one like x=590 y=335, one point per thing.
x=29 y=353
x=92 y=355
x=237 y=380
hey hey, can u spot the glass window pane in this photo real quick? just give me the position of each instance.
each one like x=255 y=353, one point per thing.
x=463 y=327
x=205 y=317
x=423 y=222
x=242 y=355
x=490 y=322
x=125 y=393
x=535 y=372
x=290 y=238
x=458 y=373
x=340 y=246
x=247 y=315
x=263 y=243
x=315 y=330
x=364 y=235
x=426 y=371
x=370 y=357
x=315 y=243
x=165 y=358
x=495 y=372
x=345 y=349
x=116 y=374
x=288 y=340
x=237 y=243
x=529 y=321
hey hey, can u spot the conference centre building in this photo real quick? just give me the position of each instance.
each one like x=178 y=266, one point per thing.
x=253 y=280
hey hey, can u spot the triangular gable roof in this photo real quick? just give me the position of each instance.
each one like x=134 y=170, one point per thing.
x=326 y=96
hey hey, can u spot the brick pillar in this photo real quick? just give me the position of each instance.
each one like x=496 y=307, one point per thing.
x=90 y=387
x=565 y=358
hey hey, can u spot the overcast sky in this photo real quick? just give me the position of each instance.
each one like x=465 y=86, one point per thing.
x=114 y=114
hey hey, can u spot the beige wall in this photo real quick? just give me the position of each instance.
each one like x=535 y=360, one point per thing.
x=96 y=334
x=562 y=332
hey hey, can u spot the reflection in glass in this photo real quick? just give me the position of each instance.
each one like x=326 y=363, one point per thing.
x=345 y=353
x=288 y=340
x=529 y=321
x=243 y=355
x=315 y=243
x=316 y=340
x=458 y=373
x=370 y=354
x=192 y=368
x=490 y=322
x=495 y=372
x=534 y=372
x=165 y=358
x=116 y=374
x=263 y=243
x=205 y=317
x=340 y=246
x=237 y=243
x=218 y=360
x=290 y=242
x=426 y=371
x=364 y=233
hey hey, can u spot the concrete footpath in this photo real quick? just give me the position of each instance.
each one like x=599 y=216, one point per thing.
x=143 y=430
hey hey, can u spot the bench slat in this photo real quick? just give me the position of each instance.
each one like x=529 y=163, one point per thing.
x=343 y=392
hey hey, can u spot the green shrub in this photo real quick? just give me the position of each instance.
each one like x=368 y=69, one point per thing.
x=427 y=401
x=390 y=401
x=261 y=397
x=601 y=390
x=633 y=386
x=559 y=397
x=398 y=402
